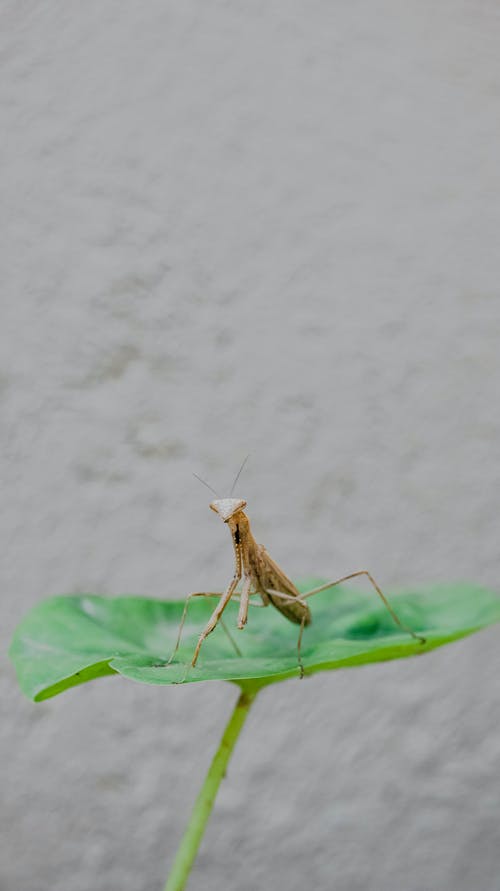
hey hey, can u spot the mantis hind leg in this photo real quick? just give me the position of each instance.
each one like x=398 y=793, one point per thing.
x=353 y=575
x=304 y=621
x=299 y=644
x=346 y=578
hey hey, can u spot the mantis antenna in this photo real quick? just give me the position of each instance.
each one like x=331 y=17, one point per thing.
x=235 y=479
x=239 y=473
x=206 y=484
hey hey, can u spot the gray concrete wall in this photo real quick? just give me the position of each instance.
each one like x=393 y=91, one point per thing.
x=266 y=227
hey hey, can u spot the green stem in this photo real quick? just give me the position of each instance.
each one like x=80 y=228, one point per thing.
x=193 y=835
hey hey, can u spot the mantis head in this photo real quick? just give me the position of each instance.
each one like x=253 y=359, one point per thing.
x=227 y=507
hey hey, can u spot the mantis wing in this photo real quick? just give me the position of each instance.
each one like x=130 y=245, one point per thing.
x=271 y=581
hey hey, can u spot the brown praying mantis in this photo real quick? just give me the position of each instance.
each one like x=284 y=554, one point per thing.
x=262 y=576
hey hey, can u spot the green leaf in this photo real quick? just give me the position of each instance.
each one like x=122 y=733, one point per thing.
x=65 y=641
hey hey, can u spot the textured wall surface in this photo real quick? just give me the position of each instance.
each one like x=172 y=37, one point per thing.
x=267 y=227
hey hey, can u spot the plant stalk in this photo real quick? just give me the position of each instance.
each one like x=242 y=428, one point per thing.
x=193 y=835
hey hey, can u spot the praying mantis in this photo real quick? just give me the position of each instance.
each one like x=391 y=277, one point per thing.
x=262 y=576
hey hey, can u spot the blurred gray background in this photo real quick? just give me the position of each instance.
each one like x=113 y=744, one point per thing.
x=268 y=228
